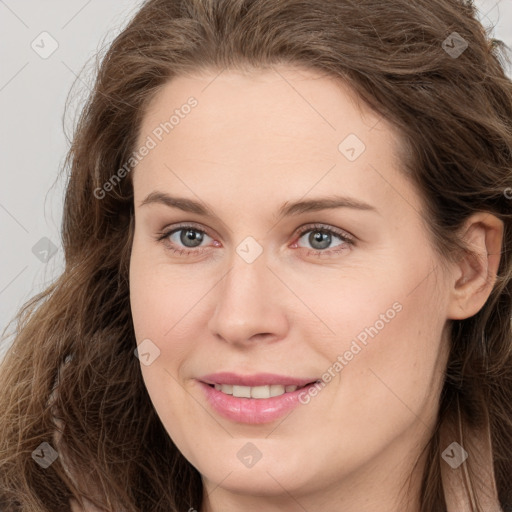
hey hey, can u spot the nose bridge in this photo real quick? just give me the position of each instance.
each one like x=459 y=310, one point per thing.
x=246 y=284
x=246 y=298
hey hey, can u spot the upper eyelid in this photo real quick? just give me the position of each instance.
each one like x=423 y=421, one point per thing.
x=325 y=227
x=170 y=230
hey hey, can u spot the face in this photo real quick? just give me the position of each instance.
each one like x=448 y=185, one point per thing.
x=287 y=300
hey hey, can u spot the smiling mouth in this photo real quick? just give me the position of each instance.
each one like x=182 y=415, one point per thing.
x=257 y=392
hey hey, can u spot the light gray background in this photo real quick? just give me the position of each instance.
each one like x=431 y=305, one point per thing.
x=33 y=142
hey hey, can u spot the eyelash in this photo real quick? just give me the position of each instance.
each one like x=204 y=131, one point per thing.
x=345 y=238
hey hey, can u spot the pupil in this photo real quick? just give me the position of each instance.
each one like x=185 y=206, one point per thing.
x=323 y=238
x=190 y=235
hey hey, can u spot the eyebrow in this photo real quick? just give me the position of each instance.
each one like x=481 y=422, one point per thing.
x=287 y=209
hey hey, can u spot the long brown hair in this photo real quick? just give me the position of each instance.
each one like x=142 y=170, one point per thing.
x=454 y=113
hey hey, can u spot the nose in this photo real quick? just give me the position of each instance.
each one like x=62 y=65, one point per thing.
x=251 y=304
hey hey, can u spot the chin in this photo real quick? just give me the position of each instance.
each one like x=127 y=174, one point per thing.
x=254 y=482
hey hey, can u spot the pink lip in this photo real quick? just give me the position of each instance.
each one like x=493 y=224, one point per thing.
x=259 y=379
x=252 y=410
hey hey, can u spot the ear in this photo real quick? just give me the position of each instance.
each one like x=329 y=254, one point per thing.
x=475 y=273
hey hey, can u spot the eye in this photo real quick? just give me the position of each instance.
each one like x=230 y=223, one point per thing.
x=188 y=236
x=320 y=238
x=187 y=239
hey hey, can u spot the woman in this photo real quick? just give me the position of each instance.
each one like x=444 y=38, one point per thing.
x=288 y=276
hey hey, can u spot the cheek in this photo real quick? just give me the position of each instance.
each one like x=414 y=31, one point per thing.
x=387 y=327
x=160 y=293
x=165 y=302
x=390 y=345
x=173 y=405
x=159 y=299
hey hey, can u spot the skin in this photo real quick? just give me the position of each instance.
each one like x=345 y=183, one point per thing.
x=257 y=140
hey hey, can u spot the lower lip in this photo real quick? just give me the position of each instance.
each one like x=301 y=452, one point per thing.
x=252 y=410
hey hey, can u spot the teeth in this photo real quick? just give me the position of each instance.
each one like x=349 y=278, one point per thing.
x=225 y=388
x=260 y=392
x=276 y=390
x=255 y=391
x=242 y=391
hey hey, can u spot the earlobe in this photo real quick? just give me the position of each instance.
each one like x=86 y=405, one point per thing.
x=475 y=272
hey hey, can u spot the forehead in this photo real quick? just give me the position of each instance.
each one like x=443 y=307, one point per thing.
x=267 y=133
x=271 y=107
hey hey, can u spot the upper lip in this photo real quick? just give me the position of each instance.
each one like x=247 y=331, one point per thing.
x=257 y=379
